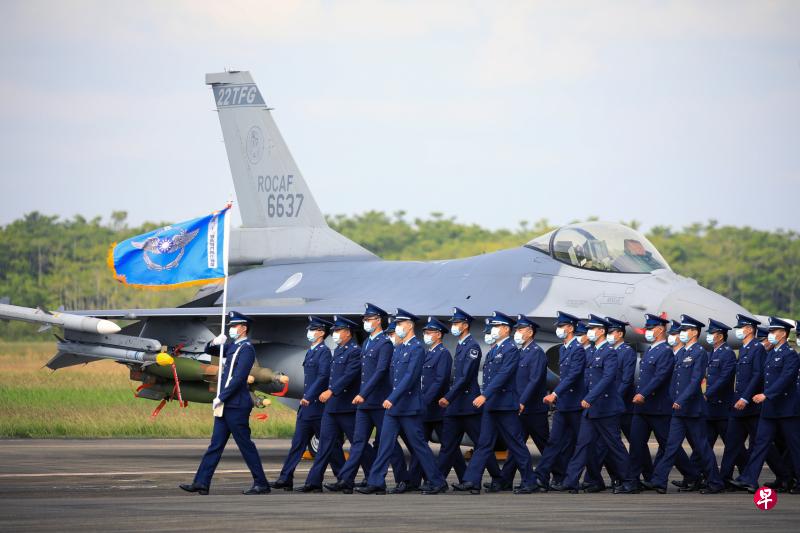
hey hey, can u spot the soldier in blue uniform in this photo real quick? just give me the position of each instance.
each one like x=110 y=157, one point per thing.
x=316 y=373
x=720 y=378
x=460 y=416
x=567 y=398
x=602 y=407
x=376 y=356
x=743 y=422
x=626 y=368
x=688 y=413
x=500 y=403
x=532 y=388
x=435 y=382
x=339 y=414
x=653 y=402
x=404 y=411
x=780 y=407
x=234 y=397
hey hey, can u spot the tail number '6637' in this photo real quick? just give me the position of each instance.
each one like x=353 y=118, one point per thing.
x=284 y=205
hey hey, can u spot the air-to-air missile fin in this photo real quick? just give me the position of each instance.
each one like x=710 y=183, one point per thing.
x=65 y=359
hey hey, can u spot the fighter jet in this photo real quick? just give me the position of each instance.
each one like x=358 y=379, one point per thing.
x=292 y=264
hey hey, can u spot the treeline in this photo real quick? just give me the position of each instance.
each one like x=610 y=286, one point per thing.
x=51 y=262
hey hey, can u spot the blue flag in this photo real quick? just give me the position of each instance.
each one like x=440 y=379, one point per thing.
x=178 y=255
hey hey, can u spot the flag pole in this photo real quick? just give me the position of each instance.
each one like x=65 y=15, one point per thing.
x=226 y=246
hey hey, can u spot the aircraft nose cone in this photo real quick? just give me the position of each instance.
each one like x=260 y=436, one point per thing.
x=701 y=304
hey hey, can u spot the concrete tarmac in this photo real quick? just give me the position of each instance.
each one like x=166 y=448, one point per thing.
x=131 y=485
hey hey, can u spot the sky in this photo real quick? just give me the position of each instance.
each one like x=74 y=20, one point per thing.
x=663 y=112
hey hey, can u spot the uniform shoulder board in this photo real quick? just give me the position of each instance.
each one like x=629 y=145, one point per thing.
x=473 y=353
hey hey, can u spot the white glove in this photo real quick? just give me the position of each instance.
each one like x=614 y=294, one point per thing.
x=219 y=340
x=216 y=402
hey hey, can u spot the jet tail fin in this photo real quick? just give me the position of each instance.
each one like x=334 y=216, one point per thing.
x=281 y=221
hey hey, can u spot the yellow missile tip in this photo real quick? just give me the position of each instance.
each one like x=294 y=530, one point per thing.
x=251 y=380
x=164 y=359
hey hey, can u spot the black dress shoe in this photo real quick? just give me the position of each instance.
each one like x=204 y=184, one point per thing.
x=647 y=484
x=333 y=487
x=435 y=490
x=744 y=485
x=625 y=488
x=362 y=483
x=282 y=484
x=595 y=488
x=778 y=485
x=525 y=489
x=713 y=490
x=467 y=486
x=400 y=488
x=795 y=490
x=371 y=489
x=194 y=487
x=498 y=486
x=257 y=489
x=308 y=488
x=558 y=487
x=691 y=486
x=680 y=484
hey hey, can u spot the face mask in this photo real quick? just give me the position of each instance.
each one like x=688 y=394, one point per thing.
x=495 y=333
x=368 y=327
x=710 y=338
x=649 y=335
x=488 y=339
x=739 y=333
x=393 y=338
x=233 y=332
x=311 y=336
x=427 y=339
x=612 y=339
x=583 y=339
x=772 y=339
x=561 y=333
x=336 y=337
x=455 y=331
x=518 y=340
x=592 y=335
x=401 y=332
x=672 y=340
x=684 y=336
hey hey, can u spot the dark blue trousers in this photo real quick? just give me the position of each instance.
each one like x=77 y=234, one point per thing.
x=411 y=427
x=415 y=474
x=642 y=426
x=592 y=431
x=560 y=446
x=597 y=460
x=765 y=434
x=304 y=429
x=694 y=430
x=715 y=429
x=506 y=424
x=362 y=453
x=537 y=427
x=234 y=422
x=330 y=440
x=454 y=428
x=740 y=428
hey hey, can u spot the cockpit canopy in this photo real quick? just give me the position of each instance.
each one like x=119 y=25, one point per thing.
x=602 y=246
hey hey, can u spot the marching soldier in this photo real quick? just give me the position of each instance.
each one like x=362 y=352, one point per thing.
x=602 y=406
x=688 y=413
x=435 y=380
x=500 y=404
x=532 y=388
x=566 y=397
x=404 y=412
x=234 y=398
x=653 y=403
x=460 y=416
x=780 y=407
x=376 y=356
x=339 y=415
x=316 y=373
